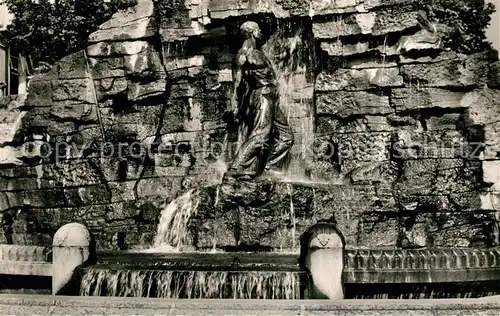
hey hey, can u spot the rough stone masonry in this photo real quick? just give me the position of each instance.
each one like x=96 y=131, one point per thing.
x=411 y=126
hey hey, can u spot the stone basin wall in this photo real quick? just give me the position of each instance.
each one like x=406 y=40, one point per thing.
x=399 y=133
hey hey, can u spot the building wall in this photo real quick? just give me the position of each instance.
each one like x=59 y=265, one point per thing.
x=3 y=66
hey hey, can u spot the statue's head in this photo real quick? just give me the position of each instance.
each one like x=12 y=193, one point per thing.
x=251 y=29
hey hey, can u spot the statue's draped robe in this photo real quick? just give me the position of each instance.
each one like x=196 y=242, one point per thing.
x=264 y=134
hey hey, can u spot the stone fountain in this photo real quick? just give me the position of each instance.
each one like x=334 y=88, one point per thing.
x=384 y=139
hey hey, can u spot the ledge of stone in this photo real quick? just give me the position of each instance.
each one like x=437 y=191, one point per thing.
x=48 y=305
x=425 y=98
x=134 y=23
x=358 y=79
x=375 y=23
x=25 y=253
x=344 y=104
x=422 y=266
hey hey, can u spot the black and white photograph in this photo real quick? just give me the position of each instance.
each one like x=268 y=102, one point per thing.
x=249 y=157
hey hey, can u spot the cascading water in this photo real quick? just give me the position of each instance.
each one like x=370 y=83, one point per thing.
x=172 y=229
x=292 y=215
x=291 y=55
x=191 y=284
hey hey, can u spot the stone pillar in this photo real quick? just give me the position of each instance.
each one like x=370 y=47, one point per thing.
x=322 y=255
x=71 y=248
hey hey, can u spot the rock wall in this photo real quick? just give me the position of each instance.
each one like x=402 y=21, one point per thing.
x=404 y=129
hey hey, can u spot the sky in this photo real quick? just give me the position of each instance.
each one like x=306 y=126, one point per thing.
x=493 y=32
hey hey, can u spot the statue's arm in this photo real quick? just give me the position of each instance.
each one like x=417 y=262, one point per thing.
x=237 y=76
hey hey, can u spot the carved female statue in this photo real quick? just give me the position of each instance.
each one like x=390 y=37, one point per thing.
x=265 y=136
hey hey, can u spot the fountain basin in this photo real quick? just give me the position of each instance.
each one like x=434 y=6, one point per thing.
x=378 y=273
x=362 y=266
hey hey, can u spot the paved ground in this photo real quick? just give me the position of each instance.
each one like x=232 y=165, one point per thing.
x=51 y=305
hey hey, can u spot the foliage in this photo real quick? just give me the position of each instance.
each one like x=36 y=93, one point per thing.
x=465 y=23
x=47 y=32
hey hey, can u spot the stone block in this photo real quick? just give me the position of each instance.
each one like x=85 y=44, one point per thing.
x=136 y=114
x=106 y=49
x=77 y=91
x=4 y=201
x=131 y=24
x=10 y=124
x=339 y=48
x=45 y=198
x=371 y=4
x=378 y=230
x=39 y=94
x=355 y=24
x=323 y=7
x=483 y=111
x=422 y=40
x=108 y=67
x=354 y=79
x=149 y=60
x=494 y=76
x=448 y=121
x=180 y=34
x=138 y=29
x=177 y=63
x=114 y=170
x=89 y=195
x=484 y=106
x=472 y=72
x=45 y=121
x=151 y=93
x=182 y=89
x=363 y=147
x=373 y=173
x=437 y=177
x=159 y=188
x=490 y=201
x=376 y=23
x=447 y=229
x=414 y=98
x=344 y=104
x=121 y=192
x=71 y=173
x=122 y=211
x=436 y=144
x=369 y=63
x=109 y=87
x=430 y=58
x=396 y=20
x=73 y=66
x=368 y=123
x=62 y=111
x=491 y=174
x=224 y=9
x=134 y=131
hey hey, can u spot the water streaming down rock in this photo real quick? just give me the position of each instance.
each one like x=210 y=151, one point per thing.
x=191 y=284
x=173 y=226
x=292 y=215
x=291 y=56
